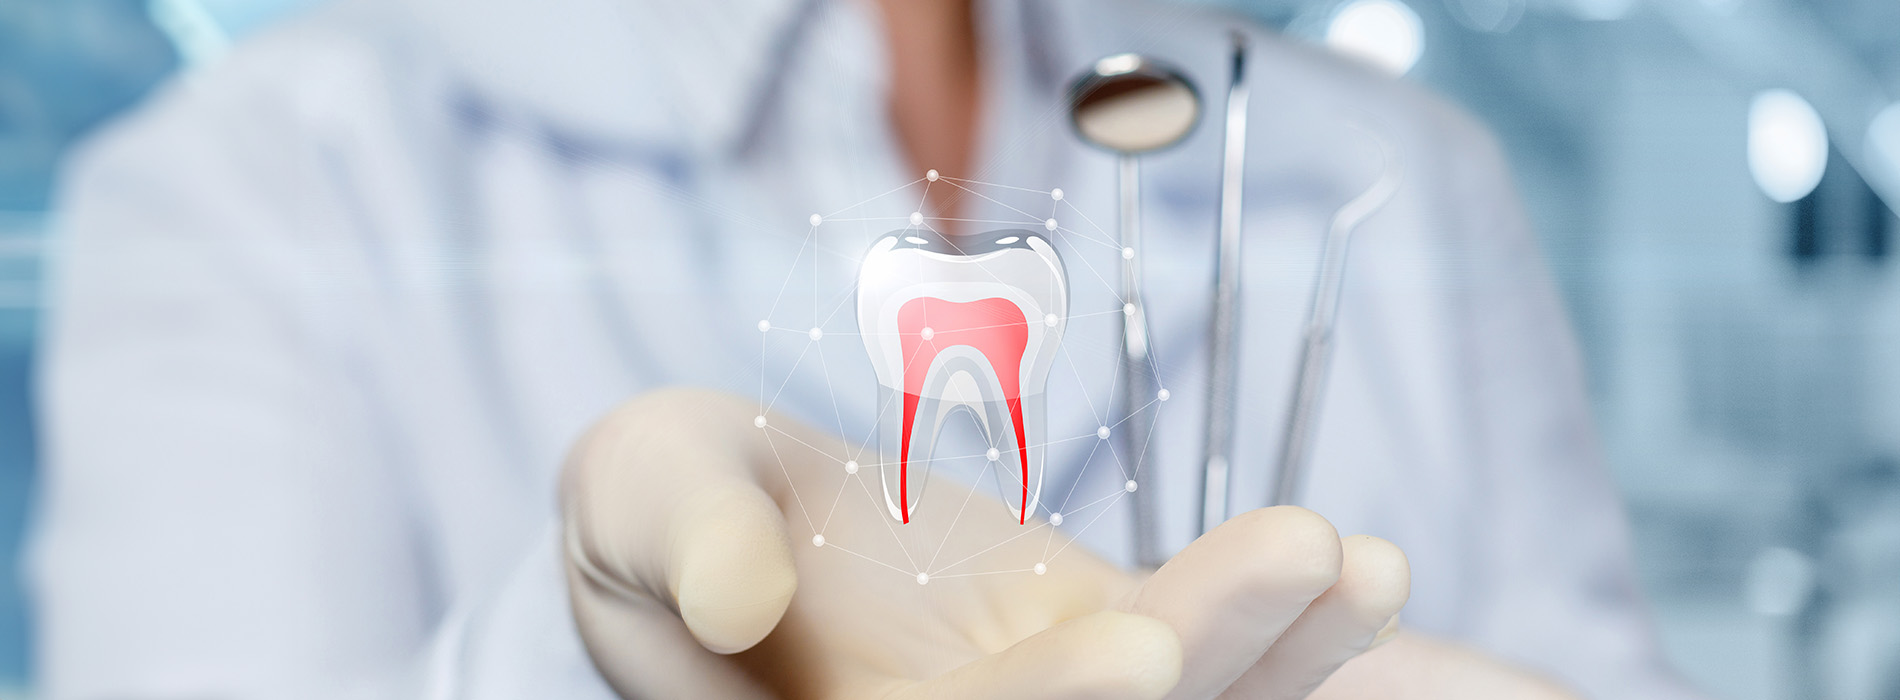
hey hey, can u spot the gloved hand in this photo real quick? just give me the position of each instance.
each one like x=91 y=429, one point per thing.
x=693 y=573
x=1414 y=667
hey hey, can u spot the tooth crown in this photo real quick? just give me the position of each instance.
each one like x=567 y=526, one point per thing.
x=969 y=325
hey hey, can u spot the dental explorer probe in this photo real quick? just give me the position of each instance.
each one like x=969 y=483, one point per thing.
x=1224 y=327
x=1317 y=351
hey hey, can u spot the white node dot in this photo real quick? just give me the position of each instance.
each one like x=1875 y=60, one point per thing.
x=923 y=579
x=1056 y=194
x=1162 y=395
x=916 y=218
x=816 y=333
x=765 y=326
x=1041 y=568
x=1051 y=320
x=851 y=467
x=1130 y=486
x=758 y=422
x=1050 y=224
x=930 y=175
x=1128 y=309
x=816 y=219
x=817 y=540
x=993 y=454
x=1055 y=519
x=1101 y=432
x=928 y=333
x=1128 y=253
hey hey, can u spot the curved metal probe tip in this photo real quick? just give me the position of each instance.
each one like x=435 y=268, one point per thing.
x=1317 y=350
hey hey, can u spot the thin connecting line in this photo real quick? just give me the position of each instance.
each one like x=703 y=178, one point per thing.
x=829 y=545
x=987 y=573
x=992 y=200
x=1131 y=414
x=987 y=550
x=1070 y=360
x=951 y=530
x=1078 y=481
x=990 y=221
x=788 y=276
x=835 y=500
x=1091 y=222
x=992 y=184
x=1078 y=509
x=788 y=477
x=1117 y=496
x=837 y=413
x=1090 y=239
x=882 y=517
x=788 y=378
x=1154 y=421
x=886 y=193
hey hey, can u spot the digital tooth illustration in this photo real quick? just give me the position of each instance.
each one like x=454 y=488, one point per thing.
x=954 y=324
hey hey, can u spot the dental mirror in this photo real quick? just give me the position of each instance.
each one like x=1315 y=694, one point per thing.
x=1130 y=104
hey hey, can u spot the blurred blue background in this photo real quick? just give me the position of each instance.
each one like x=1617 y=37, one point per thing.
x=1715 y=182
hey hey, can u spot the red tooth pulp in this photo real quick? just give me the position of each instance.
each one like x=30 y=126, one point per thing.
x=994 y=327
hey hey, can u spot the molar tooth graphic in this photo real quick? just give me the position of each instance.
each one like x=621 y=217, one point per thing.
x=965 y=324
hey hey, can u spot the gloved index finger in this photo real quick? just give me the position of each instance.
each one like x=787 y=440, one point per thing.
x=1232 y=592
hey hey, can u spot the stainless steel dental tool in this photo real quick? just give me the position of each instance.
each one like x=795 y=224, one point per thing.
x=1316 y=352
x=1130 y=104
x=1224 y=327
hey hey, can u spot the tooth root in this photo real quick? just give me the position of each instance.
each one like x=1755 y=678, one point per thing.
x=911 y=429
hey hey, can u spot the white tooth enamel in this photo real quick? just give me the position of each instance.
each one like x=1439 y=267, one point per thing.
x=1017 y=267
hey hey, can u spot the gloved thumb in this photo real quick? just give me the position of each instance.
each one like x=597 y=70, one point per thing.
x=730 y=566
x=664 y=504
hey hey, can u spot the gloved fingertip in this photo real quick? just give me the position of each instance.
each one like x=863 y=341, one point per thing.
x=1376 y=579
x=734 y=576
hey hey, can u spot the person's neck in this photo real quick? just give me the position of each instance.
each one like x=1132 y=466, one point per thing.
x=935 y=88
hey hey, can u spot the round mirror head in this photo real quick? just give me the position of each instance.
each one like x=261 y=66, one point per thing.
x=1129 y=103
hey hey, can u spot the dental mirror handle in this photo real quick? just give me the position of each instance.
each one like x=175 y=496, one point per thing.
x=1224 y=329
x=1316 y=353
x=1138 y=385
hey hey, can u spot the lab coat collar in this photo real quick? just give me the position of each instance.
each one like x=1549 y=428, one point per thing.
x=595 y=67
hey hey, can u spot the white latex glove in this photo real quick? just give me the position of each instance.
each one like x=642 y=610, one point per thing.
x=692 y=574
x=1413 y=667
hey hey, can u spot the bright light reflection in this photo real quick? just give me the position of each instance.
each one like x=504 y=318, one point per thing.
x=1787 y=145
x=1883 y=144
x=1385 y=33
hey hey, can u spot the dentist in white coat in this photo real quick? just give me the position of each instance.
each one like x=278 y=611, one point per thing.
x=337 y=318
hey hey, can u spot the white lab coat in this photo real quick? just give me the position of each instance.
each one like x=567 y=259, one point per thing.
x=328 y=314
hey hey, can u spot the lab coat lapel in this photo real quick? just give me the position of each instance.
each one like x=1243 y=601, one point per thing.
x=595 y=68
